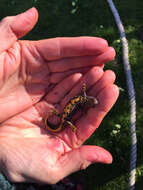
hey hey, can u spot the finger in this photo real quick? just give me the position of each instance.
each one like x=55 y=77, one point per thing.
x=107 y=78
x=58 y=48
x=88 y=124
x=79 y=62
x=57 y=77
x=62 y=88
x=81 y=158
x=14 y=27
x=90 y=78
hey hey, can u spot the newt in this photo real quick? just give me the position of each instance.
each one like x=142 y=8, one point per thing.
x=78 y=102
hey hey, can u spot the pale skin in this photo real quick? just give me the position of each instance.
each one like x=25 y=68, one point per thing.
x=35 y=77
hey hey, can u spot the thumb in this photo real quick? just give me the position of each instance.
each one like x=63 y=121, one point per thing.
x=81 y=158
x=14 y=27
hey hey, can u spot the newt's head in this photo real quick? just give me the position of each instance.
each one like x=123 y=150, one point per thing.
x=91 y=101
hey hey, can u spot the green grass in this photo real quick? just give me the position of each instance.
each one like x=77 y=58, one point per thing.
x=94 y=18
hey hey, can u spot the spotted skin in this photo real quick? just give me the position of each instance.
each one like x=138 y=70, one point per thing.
x=76 y=103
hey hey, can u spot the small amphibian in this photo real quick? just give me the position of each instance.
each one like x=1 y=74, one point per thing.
x=78 y=102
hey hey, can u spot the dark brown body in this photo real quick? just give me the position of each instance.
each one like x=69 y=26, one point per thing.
x=70 y=109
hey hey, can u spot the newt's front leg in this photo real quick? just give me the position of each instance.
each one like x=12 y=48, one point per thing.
x=56 y=112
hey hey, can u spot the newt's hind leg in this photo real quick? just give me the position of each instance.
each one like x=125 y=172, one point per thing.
x=56 y=112
x=73 y=127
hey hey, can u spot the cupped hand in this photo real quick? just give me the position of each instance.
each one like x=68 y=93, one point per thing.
x=29 y=69
x=37 y=76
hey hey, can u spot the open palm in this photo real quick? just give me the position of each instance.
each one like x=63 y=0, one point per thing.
x=37 y=76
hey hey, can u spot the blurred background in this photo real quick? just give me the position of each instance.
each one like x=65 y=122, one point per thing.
x=94 y=18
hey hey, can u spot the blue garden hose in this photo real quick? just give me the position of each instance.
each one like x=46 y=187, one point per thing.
x=131 y=92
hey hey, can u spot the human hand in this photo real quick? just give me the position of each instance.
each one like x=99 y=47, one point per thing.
x=56 y=69
x=29 y=68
